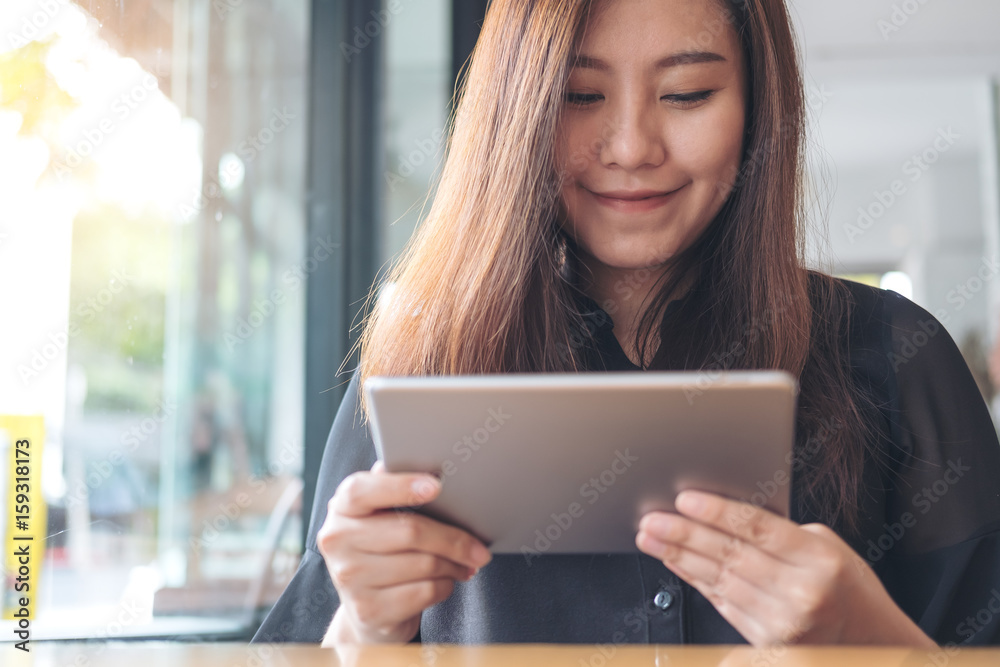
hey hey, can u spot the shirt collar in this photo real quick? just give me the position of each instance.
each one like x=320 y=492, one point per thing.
x=592 y=311
x=606 y=353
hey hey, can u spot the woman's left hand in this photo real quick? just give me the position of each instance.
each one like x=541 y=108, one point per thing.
x=775 y=581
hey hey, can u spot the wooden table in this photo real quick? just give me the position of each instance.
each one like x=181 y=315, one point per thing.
x=156 y=654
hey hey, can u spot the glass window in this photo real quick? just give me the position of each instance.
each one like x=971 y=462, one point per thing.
x=907 y=169
x=418 y=90
x=154 y=256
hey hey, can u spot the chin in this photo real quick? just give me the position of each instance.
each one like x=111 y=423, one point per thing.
x=632 y=254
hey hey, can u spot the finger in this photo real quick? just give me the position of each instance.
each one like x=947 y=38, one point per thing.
x=362 y=493
x=391 y=532
x=760 y=631
x=376 y=571
x=712 y=576
x=771 y=533
x=746 y=624
x=395 y=605
x=379 y=466
x=675 y=535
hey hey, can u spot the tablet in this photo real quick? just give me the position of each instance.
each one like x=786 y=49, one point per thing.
x=569 y=463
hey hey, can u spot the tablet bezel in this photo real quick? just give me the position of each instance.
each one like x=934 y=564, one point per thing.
x=416 y=421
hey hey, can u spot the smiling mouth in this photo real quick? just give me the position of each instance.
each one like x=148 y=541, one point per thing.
x=634 y=202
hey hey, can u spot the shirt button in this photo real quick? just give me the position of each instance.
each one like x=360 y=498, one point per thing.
x=663 y=600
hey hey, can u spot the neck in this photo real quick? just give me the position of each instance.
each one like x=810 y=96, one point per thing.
x=625 y=294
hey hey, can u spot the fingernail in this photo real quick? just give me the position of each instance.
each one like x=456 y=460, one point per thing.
x=660 y=526
x=424 y=488
x=690 y=502
x=470 y=573
x=480 y=555
x=645 y=542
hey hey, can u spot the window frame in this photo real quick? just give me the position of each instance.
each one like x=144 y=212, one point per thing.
x=345 y=199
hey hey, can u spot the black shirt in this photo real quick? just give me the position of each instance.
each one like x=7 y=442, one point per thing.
x=931 y=520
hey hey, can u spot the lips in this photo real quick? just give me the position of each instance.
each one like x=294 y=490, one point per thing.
x=634 y=201
x=633 y=195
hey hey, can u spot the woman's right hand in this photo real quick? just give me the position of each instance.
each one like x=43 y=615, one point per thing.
x=388 y=566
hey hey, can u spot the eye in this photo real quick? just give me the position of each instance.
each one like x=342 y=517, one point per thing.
x=689 y=99
x=583 y=99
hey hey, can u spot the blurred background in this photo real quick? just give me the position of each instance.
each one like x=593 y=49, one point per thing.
x=195 y=196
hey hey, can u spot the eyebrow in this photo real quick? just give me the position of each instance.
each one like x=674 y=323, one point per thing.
x=682 y=58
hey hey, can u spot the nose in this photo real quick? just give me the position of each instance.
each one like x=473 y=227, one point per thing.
x=633 y=138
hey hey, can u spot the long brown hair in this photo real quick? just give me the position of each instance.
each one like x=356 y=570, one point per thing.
x=487 y=283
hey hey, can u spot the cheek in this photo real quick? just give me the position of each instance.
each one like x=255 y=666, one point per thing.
x=580 y=145
x=713 y=146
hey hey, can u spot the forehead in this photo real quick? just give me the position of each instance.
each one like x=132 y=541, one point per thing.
x=641 y=32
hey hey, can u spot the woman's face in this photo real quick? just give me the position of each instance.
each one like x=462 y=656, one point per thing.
x=651 y=133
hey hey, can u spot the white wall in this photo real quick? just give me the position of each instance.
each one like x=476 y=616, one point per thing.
x=895 y=80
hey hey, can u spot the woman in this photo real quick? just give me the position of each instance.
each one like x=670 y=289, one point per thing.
x=622 y=193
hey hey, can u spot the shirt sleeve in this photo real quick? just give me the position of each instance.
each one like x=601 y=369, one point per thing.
x=303 y=612
x=941 y=537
